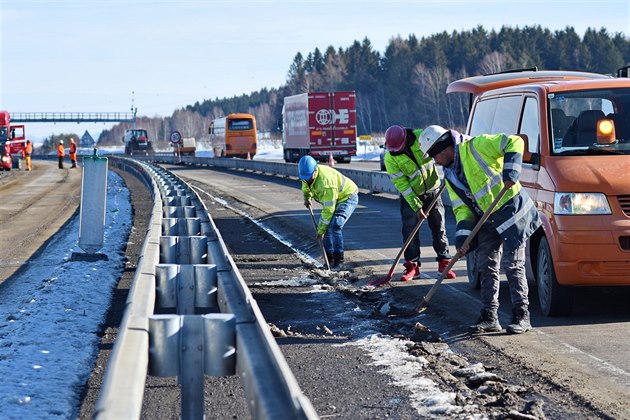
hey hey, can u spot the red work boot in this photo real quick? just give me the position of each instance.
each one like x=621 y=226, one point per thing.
x=442 y=264
x=412 y=270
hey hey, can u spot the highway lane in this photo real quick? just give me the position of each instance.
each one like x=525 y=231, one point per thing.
x=586 y=355
x=33 y=206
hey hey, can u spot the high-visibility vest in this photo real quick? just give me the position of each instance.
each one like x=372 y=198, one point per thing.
x=412 y=178
x=486 y=160
x=61 y=151
x=328 y=188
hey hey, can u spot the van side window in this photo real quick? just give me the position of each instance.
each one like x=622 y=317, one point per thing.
x=530 y=124
x=496 y=115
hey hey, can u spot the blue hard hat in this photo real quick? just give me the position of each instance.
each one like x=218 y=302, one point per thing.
x=306 y=167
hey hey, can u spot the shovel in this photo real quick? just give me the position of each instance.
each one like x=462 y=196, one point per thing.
x=321 y=243
x=425 y=301
x=382 y=280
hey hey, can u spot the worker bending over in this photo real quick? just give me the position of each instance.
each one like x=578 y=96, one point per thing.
x=417 y=180
x=338 y=196
x=476 y=170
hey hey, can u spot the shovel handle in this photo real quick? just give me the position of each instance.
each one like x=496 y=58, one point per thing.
x=419 y=224
x=386 y=279
x=310 y=209
x=471 y=236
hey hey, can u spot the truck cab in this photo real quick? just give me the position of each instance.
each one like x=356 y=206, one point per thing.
x=12 y=142
x=577 y=131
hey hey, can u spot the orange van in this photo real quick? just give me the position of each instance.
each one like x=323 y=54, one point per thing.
x=576 y=169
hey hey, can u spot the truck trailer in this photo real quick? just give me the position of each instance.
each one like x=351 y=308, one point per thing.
x=320 y=124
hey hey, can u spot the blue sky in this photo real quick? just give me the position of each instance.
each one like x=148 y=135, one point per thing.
x=87 y=55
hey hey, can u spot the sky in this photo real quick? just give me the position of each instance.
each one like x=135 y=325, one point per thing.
x=159 y=56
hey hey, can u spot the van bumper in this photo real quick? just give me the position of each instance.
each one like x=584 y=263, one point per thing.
x=593 y=258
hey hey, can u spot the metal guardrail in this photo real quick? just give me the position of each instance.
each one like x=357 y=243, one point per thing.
x=270 y=388
x=373 y=181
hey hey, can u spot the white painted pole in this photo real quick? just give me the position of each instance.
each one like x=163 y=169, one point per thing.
x=93 y=196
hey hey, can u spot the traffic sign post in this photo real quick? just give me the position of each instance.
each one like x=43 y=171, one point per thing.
x=176 y=139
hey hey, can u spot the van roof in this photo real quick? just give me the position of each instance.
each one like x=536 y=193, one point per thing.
x=480 y=84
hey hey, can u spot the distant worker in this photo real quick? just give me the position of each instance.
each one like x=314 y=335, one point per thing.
x=61 y=153
x=26 y=153
x=73 y=153
x=338 y=195
x=417 y=180
x=476 y=171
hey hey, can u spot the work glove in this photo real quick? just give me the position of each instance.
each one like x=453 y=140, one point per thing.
x=307 y=204
x=320 y=237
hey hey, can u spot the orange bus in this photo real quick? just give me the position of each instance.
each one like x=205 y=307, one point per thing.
x=234 y=136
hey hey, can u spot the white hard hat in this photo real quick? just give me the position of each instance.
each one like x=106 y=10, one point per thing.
x=60 y=141
x=429 y=137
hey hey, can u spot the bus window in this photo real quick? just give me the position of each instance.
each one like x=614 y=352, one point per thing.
x=240 y=124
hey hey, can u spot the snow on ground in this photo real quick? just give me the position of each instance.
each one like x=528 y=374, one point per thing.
x=267 y=150
x=51 y=313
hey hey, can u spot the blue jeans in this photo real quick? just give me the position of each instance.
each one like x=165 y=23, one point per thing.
x=333 y=238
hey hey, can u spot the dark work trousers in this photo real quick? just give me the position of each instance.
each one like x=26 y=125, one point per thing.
x=60 y=162
x=436 y=223
x=489 y=262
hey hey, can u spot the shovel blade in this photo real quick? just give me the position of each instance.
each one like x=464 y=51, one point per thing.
x=401 y=312
x=380 y=281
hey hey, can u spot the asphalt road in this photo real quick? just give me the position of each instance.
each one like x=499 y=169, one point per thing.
x=33 y=206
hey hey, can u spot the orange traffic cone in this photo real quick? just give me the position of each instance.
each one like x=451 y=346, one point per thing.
x=331 y=161
x=249 y=157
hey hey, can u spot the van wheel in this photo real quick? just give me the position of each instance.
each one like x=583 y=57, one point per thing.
x=555 y=300
x=474 y=277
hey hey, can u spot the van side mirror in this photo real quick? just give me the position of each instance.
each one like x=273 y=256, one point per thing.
x=529 y=157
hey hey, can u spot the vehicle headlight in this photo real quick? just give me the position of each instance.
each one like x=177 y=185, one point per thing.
x=581 y=203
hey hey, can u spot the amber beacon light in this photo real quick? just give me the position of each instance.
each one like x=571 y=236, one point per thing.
x=606 y=132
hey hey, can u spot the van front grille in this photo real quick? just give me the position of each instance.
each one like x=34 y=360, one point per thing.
x=624 y=241
x=624 y=202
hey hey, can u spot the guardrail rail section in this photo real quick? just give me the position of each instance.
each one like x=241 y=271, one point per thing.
x=189 y=314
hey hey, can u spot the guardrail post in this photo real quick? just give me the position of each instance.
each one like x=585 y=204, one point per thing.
x=190 y=226
x=189 y=346
x=183 y=250
x=186 y=289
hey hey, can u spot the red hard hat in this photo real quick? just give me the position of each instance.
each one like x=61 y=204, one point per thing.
x=395 y=138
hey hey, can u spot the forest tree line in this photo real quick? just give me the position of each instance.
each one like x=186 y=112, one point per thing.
x=405 y=84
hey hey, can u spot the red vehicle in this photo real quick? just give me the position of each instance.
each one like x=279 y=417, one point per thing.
x=13 y=136
x=320 y=124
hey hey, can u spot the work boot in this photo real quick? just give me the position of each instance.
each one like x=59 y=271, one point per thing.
x=442 y=264
x=412 y=270
x=520 y=322
x=487 y=322
x=338 y=258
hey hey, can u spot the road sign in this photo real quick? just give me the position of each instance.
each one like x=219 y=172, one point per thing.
x=176 y=137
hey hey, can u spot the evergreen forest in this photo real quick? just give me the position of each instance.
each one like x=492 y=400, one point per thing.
x=406 y=83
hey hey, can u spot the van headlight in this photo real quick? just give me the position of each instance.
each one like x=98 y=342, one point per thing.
x=580 y=203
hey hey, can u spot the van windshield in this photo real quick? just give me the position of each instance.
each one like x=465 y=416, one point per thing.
x=574 y=117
